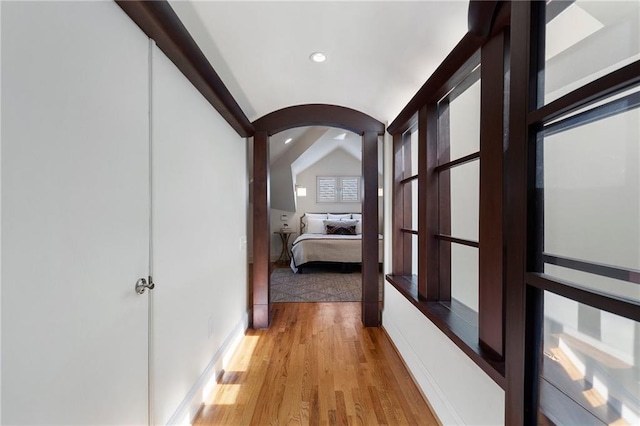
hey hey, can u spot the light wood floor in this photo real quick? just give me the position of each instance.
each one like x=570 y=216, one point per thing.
x=316 y=364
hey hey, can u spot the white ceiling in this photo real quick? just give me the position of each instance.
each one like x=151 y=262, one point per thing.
x=379 y=52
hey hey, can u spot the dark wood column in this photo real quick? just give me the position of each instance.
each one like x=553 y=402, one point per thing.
x=492 y=141
x=370 y=304
x=261 y=233
x=398 y=261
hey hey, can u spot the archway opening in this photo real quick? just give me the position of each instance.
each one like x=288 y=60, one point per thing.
x=369 y=130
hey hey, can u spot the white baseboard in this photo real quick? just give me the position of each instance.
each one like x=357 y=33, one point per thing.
x=190 y=406
x=444 y=410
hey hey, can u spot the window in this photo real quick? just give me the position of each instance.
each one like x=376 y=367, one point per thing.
x=458 y=175
x=455 y=167
x=585 y=40
x=588 y=237
x=338 y=189
x=580 y=139
x=406 y=204
x=589 y=372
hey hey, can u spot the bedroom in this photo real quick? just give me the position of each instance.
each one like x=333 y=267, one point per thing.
x=316 y=178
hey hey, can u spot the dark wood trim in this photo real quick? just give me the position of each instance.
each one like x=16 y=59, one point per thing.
x=462 y=160
x=398 y=266
x=411 y=123
x=518 y=409
x=409 y=231
x=462 y=87
x=261 y=231
x=457 y=65
x=409 y=179
x=429 y=224
x=502 y=18
x=453 y=320
x=423 y=243
x=481 y=16
x=160 y=23
x=615 y=272
x=334 y=116
x=490 y=256
x=450 y=239
x=370 y=311
x=534 y=350
x=607 y=85
x=534 y=217
x=601 y=112
x=407 y=209
x=588 y=296
x=318 y=115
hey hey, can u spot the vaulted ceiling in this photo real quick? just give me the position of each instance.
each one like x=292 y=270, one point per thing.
x=379 y=53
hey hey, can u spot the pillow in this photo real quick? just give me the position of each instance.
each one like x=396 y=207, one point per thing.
x=316 y=215
x=315 y=226
x=339 y=216
x=358 y=217
x=340 y=227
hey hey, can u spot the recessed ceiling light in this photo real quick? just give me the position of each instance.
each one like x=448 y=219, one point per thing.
x=318 y=57
x=288 y=140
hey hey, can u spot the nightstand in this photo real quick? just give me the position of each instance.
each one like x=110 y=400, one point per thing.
x=285 y=255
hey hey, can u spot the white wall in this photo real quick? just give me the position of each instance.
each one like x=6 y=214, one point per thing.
x=337 y=163
x=459 y=392
x=199 y=223
x=75 y=223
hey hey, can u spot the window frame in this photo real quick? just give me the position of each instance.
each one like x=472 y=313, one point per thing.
x=403 y=230
x=481 y=335
x=338 y=189
x=527 y=282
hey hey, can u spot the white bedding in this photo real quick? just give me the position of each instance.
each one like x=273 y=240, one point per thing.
x=329 y=248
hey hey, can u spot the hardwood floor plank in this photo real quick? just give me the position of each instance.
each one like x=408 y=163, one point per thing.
x=316 y=365
x=341 y=409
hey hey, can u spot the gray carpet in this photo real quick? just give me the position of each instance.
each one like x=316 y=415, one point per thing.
x=316 y=286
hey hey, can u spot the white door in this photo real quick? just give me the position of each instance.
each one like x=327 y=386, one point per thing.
x=75 y=214
x=184 y=228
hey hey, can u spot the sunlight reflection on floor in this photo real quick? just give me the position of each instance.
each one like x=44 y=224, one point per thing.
x=237 y=361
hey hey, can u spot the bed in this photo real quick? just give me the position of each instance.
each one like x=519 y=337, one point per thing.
x=318 y=245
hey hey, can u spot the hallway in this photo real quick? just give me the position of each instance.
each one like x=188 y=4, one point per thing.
x=316 y=364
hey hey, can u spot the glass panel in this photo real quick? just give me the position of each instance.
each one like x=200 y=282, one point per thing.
x=611 y=286
x=414 y=204
x=464 y=275
x=591 y=197
x=464 y=122
x=414 y=254
x=591 y=365
x=587 y=39
x=465 y=200
x=414 y=152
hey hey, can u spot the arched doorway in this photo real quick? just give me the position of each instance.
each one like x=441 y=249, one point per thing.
x=315 y=115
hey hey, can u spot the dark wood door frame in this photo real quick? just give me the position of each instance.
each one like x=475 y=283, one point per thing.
x=315 y=115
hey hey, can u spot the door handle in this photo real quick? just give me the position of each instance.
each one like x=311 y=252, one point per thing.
x=142 y=285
